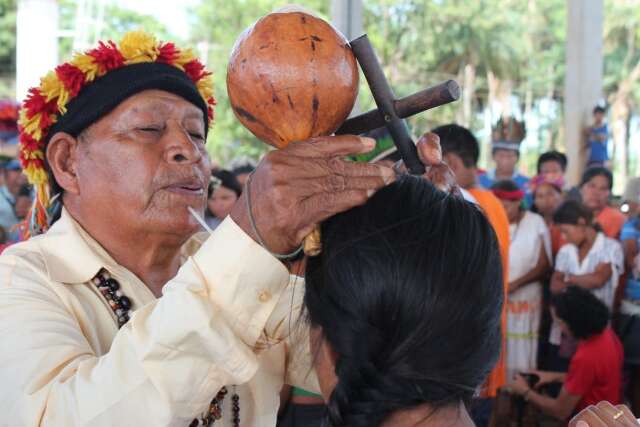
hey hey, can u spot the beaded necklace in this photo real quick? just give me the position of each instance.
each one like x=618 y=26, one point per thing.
x=121 y=306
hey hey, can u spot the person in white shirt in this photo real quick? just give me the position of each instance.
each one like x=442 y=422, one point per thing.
x=590 y=259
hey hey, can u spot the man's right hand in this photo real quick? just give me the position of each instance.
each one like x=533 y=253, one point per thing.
x=294 y=189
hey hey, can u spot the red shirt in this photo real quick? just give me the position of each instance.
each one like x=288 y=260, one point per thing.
x=595 y=371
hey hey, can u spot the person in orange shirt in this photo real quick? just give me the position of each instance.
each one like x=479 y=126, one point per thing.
x=595 y=190
x=460 y=150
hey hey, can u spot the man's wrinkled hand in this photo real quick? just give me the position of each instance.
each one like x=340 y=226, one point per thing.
x=294 y=189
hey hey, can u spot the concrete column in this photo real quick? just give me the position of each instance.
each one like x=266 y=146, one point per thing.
x=346 y=16
x=36 y=44
x=583 y=79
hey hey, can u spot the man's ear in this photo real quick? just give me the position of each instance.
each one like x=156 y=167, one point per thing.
x=62 y=154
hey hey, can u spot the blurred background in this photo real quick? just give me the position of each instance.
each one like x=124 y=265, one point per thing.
x=517 y=58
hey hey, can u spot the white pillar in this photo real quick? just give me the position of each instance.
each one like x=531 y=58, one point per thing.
x=346 y=16
x=583 y=78
x=36 y=44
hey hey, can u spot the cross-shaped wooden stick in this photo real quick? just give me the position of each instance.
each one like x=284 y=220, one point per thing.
x=390 y=110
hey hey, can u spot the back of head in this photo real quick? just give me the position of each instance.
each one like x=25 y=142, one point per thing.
x=408 y=293
x=583 y=312
x=571 y=211
x=460 y=141
x=505 y=185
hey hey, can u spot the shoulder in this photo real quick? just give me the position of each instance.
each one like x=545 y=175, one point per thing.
x=22 y=259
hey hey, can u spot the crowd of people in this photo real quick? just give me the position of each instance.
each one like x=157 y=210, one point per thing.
x=572 y=281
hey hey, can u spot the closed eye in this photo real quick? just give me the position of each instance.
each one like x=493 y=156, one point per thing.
x=149 y=129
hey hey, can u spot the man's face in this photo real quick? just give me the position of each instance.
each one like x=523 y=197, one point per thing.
x=505 y=161
x=598 y=117
x=575 y=234
x=144 y=163
x=465 y=177
x=551 y=170
x=512 y=208
x=595 y=193
x=14 y=180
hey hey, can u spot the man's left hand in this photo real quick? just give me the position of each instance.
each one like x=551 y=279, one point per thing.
x=437 y=171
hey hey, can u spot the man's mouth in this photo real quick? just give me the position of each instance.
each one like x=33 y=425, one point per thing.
x=192 y=188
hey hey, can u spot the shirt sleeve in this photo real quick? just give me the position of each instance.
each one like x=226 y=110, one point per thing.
x=562 y=260
x=163 y=367
x=629 y=231
x=580 y=377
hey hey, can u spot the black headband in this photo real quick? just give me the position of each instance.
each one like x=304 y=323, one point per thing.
x=107 y=92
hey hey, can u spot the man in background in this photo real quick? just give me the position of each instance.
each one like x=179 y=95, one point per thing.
x=460 y=150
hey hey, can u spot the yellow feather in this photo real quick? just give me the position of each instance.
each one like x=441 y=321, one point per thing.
x=139 y=46
x=86 y=64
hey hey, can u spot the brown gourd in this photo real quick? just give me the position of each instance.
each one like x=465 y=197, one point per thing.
x=291 y=76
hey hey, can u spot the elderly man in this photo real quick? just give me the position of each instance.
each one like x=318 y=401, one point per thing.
x=119 y=314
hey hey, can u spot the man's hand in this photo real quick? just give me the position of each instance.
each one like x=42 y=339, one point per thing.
x=438 y=172
x=604 y=414
x=294 y=189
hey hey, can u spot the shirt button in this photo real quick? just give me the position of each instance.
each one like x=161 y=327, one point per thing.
x=264 y=296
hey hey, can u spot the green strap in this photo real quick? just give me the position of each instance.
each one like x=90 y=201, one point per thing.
x=301 y=392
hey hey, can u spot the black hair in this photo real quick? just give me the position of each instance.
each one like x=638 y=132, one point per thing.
x=599 y=109
x=226 y=179
x=408 y=292
x=592 y=172
x=505 y=185
x=553 y=156
x=25 y=191
x=459 y=141
x=242 y=169
x=571 y=211
x=583 y=312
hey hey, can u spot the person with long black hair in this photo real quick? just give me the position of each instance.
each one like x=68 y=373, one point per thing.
x=404 y=304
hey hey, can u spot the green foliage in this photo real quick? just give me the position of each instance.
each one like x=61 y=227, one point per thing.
x=7 y=47
x=217 y=25
x=116 y=21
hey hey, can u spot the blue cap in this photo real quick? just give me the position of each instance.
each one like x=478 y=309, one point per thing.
x=12 y=165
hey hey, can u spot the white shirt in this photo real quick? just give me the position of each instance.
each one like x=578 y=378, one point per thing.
x=222 y=320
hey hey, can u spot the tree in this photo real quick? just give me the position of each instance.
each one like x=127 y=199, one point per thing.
x=7 y=47
x=622 y=72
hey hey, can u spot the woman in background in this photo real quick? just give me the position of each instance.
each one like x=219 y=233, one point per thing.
x=529 y=265
x=547 y=197
x=224 y=190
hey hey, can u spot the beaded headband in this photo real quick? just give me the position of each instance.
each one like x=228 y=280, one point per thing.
x=46 y=104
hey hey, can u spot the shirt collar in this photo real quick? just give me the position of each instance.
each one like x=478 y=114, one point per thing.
x=72 y=256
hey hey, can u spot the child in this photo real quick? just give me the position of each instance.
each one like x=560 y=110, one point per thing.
x=598 y=139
